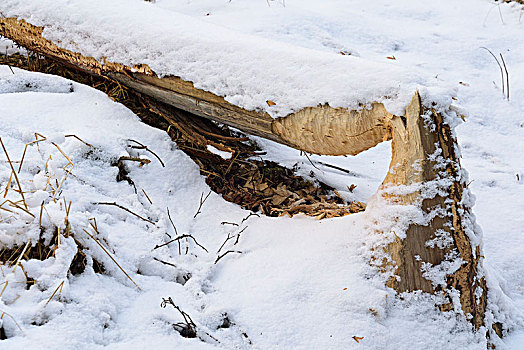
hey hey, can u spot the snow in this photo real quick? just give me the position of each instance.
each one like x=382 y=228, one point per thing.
x=221 y=154
x=216 y=58
x=297 y=283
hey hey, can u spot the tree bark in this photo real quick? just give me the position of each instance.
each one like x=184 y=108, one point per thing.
x=424 y=159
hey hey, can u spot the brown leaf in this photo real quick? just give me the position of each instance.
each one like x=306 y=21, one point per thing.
x=270 y=103
x=278 y=199
x=391 y=57
x=357 y=339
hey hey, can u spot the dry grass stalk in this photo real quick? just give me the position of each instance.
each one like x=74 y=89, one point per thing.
x=27 y=145
x=68 y=168
x=16 y=323
x=15 y=205
x=117 y=264
x=3 y=289
x=16 y=176
x=22 y=254
x=8 y=185
x=60 y=286
x=79 y=139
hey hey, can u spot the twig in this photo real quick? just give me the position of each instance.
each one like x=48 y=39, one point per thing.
x=231 y=163
x=117 y=264
x=188 y=329
x=142 y=161
x=201 y=203
x=229 y=251
x=228 y=223
x=238 y=235
x=16 y=176
x=124 y=208
x=507 y=76
x=142 y=146
x=176 y=232
x=230 y=237
x=247 y=217
x=149 y=199
x=169 y=216
x=223 y=244
x=314 y=166
x=335 y=167
x=165 y=262
x=178 y=239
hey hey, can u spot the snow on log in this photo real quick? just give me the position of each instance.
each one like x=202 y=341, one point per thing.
x=438 y=251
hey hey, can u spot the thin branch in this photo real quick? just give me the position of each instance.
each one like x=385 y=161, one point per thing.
x=201 y=203
x=229 y=251
x=335 y=167
x=223 y=244
x=149 y=199
x=176 y=232
x=228 y=223
x=142 y=146
x=238 y=235
x=124 y=208
x=189 y=331
x=314 y=166
x=165 y=262
x=247 y=217
x=169 y=216
x=178 y=239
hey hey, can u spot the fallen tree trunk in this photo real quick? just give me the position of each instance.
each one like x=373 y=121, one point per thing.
x=425 y=171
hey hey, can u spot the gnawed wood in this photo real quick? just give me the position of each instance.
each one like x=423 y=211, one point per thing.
x=322 y=129
x=417 y=137
x=335 y=131
x=424 y=155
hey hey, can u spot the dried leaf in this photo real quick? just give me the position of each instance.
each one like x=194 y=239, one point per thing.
x=270 y=103
x=391 y=58
x=357 y=339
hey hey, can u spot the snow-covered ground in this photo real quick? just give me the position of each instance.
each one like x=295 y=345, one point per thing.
x=289 y=283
